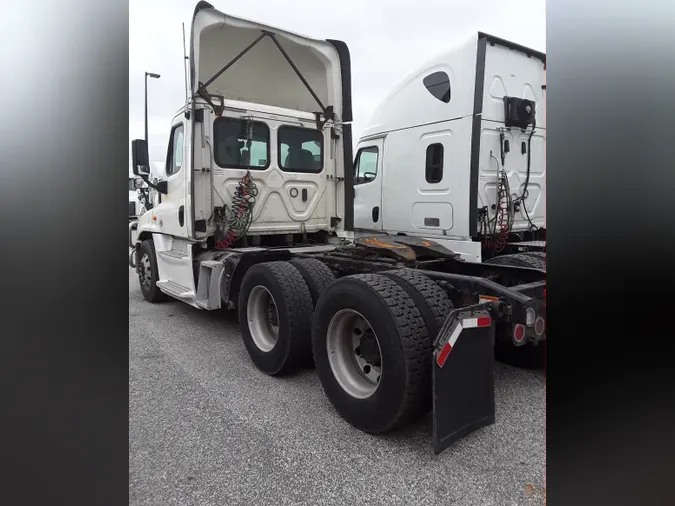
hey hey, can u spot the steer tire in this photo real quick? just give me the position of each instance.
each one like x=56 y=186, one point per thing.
x=150 y=290
x=519 y=260
x=434 y=306
x=317 y=275
x=292 y=348
x=402 y=337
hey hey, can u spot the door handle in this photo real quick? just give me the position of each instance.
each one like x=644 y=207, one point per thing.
x=181 y=215
x=376 y=214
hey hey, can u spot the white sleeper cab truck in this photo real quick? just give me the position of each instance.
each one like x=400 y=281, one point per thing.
x=456 y=154
x=258 y=212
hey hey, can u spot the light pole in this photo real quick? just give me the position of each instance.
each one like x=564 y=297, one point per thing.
x=154 y=76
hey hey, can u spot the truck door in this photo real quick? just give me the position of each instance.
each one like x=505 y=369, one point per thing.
x=368 y=185
x=172 y=214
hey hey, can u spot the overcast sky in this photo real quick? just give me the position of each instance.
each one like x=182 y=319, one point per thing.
x=387 y=39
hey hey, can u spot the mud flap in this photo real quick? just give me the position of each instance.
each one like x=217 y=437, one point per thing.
x=463 y=373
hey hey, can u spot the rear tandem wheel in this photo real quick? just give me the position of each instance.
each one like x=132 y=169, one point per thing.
x=368 y=342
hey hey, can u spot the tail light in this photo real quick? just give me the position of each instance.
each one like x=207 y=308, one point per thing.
x=539 y=326
x=519 y=333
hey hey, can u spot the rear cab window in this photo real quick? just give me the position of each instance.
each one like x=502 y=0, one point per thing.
x=241 y=143
x=300 y=149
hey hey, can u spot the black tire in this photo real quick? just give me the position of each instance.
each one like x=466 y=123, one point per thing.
x=434 y=306
x=537 y=254
x=316 y=274
x=401 y=333
x=519 y=260
x=149 y=288
x=293 y=301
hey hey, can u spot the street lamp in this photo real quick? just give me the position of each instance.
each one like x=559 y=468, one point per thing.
x=154 y=76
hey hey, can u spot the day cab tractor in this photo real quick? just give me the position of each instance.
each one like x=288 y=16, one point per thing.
x=370 y=270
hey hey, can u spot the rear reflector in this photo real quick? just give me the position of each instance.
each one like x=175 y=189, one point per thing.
x=519 y=333
x=483 y=321
x=443 y=355
x=467 y=323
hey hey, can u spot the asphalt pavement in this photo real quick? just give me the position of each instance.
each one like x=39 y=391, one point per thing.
x=207 y=428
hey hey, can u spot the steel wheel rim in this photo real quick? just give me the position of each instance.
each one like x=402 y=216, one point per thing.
x=145 y=271
x=263 y=318
x=357 y=372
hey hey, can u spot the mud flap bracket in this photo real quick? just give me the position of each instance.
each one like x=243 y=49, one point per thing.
x=463 y=373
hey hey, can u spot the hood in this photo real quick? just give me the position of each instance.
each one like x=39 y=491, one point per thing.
x=263 y=75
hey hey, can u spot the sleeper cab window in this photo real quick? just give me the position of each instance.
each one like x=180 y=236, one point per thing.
x=241 y=143
x=438 y=84
x=300 y=149
x=433 y=172
x=365 y=168
x=174 y=160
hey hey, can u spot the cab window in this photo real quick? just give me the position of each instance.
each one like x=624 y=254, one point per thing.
x=241 y=143
x=365 y=168
x=174 y=159
x=300 y=149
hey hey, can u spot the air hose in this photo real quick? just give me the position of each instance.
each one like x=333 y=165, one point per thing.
x=240 y=213
x=525 y=193
x=499 y=235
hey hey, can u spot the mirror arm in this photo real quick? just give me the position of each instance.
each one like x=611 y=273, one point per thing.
x=161 y=186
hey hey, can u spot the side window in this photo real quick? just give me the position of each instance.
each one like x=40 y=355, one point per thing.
x=365 y=168
x=241 y=144
x=434 y=165
x=300 y=149
x=438 y=85
x=174 y=160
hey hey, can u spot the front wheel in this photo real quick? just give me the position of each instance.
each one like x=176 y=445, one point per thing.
x=148 y=274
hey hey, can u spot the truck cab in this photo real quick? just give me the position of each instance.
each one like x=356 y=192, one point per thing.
x=449 y=149
x=257 y=154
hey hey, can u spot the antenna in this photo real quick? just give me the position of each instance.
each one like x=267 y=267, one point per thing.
x=185 y=57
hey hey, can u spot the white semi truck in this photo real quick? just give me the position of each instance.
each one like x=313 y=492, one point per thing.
x=370 y=270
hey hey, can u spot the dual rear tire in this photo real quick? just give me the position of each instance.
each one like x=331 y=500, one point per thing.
x=369 y=335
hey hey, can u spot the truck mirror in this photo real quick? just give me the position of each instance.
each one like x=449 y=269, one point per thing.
x=139 y=157
x=138 y=183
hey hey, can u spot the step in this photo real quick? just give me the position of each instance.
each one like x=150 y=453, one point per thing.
x=175 y=290
x=172 y=253
x=208 y=288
